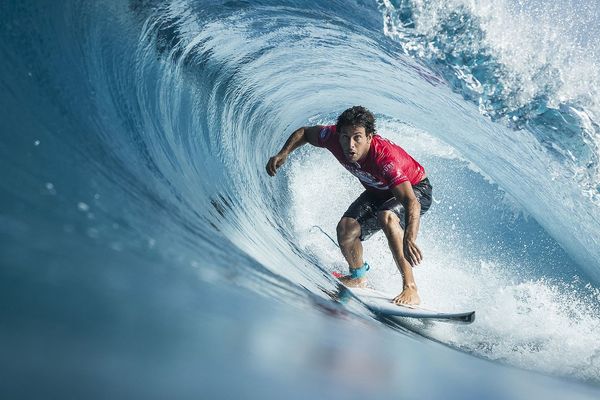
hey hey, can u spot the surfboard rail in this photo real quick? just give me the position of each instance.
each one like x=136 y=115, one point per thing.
x=381 y=303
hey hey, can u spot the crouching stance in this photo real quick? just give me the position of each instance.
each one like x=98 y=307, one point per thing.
x=397 y=192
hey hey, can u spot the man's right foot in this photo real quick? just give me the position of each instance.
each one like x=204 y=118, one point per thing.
x=408 y=296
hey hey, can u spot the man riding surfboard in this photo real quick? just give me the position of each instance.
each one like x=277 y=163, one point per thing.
x=397 y=192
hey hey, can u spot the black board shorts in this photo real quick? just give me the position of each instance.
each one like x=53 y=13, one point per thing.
x=365 y=208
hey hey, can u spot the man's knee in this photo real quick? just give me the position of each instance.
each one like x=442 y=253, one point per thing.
x=388 y=219
x=348 y=229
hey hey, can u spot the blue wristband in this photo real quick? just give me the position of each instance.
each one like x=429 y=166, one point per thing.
x=359 y=272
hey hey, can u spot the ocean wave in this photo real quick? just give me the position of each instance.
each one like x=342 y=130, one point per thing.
x=523 y=66
x=138 y=167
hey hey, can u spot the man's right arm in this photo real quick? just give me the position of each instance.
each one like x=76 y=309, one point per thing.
x=298 y=138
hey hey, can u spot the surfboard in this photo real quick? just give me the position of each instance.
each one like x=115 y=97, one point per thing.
x=381 y=303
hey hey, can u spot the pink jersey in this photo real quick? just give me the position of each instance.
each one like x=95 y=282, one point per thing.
x=385 y=166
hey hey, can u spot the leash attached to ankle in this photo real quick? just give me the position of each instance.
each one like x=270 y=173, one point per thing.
x=359 y=272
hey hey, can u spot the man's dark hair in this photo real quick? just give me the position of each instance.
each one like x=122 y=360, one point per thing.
x=357 y=116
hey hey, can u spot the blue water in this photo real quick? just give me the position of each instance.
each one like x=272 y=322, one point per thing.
x=144 y=252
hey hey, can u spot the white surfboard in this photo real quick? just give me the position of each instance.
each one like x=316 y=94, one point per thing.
x=381 y=303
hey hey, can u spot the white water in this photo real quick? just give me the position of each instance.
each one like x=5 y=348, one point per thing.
x=526 y=316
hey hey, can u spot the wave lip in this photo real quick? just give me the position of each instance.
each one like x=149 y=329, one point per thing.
x=519 y=65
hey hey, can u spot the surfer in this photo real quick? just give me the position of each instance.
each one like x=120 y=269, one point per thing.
x=397 y=192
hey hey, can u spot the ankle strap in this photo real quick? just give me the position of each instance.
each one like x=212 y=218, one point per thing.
x=359 y=272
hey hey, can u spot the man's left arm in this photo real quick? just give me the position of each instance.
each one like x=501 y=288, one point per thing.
x=405 y=195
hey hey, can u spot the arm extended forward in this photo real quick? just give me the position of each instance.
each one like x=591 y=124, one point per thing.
x=298 y=138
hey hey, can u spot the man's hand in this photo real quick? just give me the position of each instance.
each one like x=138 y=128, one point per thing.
x=406 y=195
x=275 y=162
x=412 y=253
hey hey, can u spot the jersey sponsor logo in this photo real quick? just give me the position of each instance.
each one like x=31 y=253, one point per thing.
x=366 y=177
x=392 y=173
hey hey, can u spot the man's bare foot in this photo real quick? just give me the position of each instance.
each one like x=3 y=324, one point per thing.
x=408 y=296
x=358 y=282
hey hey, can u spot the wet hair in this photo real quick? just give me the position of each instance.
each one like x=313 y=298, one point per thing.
x=357 y=116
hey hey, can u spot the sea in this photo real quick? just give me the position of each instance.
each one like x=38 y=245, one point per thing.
x=145 y=253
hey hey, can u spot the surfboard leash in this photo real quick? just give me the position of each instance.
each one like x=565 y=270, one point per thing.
x=326 y=234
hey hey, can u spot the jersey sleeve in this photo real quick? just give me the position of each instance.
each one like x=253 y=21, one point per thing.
x=326 y=136
x=392 y=173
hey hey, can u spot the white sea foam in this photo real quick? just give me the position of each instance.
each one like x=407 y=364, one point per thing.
x=526 y=318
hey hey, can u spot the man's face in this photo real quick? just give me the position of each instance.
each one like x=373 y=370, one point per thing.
x=355 y=142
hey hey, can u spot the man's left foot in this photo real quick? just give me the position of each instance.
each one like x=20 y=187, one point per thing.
x=408 y=296
x=350 y=282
